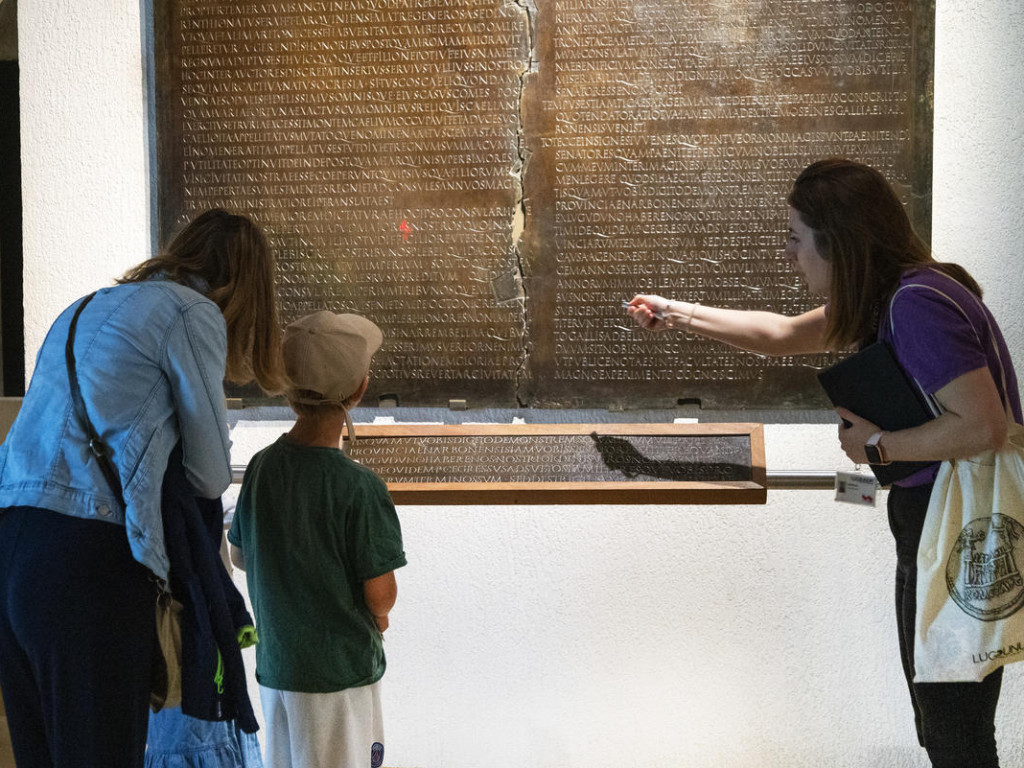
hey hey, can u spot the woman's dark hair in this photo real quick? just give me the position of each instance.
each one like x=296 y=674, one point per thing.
x=862 y=230
x=228 y=258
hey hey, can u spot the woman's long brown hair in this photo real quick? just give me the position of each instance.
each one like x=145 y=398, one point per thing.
x=862 y=230
x=234 y=265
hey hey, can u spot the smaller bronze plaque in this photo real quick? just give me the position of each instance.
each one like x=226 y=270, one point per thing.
x=567 y=463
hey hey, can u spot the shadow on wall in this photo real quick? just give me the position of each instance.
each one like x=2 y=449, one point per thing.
x=12 y=321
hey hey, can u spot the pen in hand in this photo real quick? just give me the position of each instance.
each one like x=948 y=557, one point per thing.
x=658 y=314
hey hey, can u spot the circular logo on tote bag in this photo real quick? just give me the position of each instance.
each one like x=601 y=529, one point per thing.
x=983 y=573
x=376 y=755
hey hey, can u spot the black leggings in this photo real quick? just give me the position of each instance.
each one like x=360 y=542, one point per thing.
x=955 y=721
x=77 y=634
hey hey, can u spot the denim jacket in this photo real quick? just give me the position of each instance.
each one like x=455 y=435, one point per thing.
x=150 y=359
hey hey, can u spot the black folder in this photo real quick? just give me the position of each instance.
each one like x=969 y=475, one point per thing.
x=872 y=384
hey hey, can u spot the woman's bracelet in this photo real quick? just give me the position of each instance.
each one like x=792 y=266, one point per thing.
x=689 y=317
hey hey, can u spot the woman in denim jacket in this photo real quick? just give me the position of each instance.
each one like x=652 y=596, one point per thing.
x=77 y=592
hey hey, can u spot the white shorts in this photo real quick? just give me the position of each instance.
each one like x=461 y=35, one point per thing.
x=323 y=730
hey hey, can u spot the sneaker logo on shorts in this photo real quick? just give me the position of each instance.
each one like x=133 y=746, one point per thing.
x=376 y=755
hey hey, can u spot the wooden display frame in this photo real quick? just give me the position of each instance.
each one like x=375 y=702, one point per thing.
x=752 y=490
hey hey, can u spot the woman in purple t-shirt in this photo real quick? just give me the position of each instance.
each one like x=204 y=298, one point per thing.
x=854 y=245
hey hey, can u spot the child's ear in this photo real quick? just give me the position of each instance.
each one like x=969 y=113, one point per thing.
x=360 y=392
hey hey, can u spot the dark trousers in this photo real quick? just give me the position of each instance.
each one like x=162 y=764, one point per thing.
x=955 y=721
x=77 y=634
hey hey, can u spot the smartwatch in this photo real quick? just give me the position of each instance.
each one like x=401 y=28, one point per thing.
x=874 y=450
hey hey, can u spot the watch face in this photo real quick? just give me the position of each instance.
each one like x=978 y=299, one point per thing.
x=874 y=456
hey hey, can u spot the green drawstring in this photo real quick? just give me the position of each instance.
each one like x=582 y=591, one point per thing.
x=246 y=637
x=219 y=677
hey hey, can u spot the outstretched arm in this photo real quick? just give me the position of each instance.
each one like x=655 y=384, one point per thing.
x=768 y=333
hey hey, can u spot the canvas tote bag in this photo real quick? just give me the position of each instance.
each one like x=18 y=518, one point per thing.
x=970 y=562
x=165 y=690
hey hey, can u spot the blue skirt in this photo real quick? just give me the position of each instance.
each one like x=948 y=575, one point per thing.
x=179 y=741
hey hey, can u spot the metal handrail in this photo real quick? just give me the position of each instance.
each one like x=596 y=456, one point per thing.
x=778 y=480
x=801 y=480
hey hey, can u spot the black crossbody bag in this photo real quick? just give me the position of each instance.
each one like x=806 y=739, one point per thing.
x=100 y=450
x=166 y=684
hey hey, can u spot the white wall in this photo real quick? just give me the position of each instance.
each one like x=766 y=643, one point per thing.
x=84 y=159
x=592 y=636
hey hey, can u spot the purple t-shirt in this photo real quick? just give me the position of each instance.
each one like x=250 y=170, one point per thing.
x=935 y=343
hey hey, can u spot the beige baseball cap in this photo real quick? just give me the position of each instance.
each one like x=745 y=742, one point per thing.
x=329 y=354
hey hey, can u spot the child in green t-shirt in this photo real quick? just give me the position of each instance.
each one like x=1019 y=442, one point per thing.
x=319 y=539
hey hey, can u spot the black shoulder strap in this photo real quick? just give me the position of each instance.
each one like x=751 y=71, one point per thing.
x=100 y=450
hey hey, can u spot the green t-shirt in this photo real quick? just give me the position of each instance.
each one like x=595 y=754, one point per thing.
x=313 y=526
